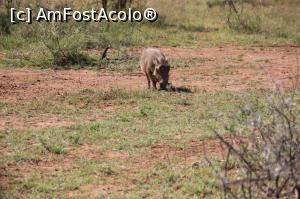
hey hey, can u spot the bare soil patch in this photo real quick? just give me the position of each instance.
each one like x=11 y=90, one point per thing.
x=229 y=67
x=39 y=121
x=27 y=84
x=237 y=68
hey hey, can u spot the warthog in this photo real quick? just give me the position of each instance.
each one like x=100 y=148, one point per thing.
x=156 y=67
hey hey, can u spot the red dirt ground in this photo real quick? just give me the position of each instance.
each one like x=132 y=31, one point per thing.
x=221 y=68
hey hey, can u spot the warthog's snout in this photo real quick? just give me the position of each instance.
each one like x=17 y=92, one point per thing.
x=163 y=85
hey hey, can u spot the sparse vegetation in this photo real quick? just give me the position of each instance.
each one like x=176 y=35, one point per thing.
x=263 y=150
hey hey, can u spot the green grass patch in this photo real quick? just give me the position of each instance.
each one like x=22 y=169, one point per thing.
x=194 y=24
x=142 y=120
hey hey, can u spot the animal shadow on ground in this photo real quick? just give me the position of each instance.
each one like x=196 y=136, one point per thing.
x=178 y=89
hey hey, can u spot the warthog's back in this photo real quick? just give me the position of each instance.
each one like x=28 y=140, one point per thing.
x=151 y=57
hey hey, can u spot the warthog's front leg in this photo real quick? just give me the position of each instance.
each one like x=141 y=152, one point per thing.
x=148 y=80
x=153 y=80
